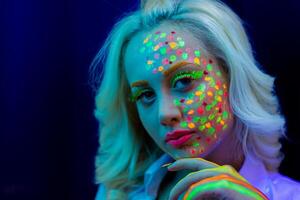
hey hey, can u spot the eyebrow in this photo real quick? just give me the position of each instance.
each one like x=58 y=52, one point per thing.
x=139 y=83
x=165 y=73
x=175 y=67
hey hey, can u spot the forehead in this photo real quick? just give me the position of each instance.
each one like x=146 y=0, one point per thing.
x=150 y=52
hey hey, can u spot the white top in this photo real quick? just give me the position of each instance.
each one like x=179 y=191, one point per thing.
x=274 y=185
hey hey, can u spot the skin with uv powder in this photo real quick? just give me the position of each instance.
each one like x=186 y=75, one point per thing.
x=205 y=107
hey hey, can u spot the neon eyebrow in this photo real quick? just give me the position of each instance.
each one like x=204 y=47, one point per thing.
x=139 y=83
x=174 y=67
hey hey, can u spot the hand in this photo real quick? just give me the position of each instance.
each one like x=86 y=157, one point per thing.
x=211 y=181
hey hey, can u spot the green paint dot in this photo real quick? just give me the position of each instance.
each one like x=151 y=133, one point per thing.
x=148 y=44
x=218 y=73
x=201 y=87
x=219 y=119
x=173 y=58
x=176 y=102
x=225 y=126
x=196 y=144
x=162 y=35
x=196 y=119
x=211 y=131
x=202 y=96
x=212 y=83
x=181 y=43
x=197 y=53
x=214 y=103
x=208 y=107
x=201 y=128
x=203 y=120
x=191 y=96
x=156 y=37
x=183 y=124
x=185 y=109
x=211 y=116
x=198 y=74
x=225 y=115
x=220 y=92
x=163 y=50
x=209 y=67
x=185 y=56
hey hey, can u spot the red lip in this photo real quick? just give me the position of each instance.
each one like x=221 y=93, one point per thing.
x=179 y=137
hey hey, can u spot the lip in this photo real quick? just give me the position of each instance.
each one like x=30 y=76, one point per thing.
x=178 y=137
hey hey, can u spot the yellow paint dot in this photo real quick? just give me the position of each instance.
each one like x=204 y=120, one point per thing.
x=146 y=40
x=191 y=112
x=173 y=45
x=150 y=62
x=198 y=93
x=219 y=98
x=208 y=125
x=190 y=101
x=207 y=78
x=197 y=61
x=222 y=122
x=191 y=125
x=156 y=47
x=209 y=93
x=160 y=68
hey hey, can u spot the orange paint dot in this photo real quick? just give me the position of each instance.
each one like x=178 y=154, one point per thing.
x=156 y=48
x=191 y=125
x=222 y=122
x=198 y=93
x=209 y=93
x=173 y=45
x=146 y=40
x=188 y=102
x=219 y=99
x=208 y=125
x=150 y=62
x=160 y=68
x=217 y=87
x=191 y=112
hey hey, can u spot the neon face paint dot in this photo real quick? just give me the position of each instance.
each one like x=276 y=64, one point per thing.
x=154 y=71
x=190 y=101
x=173 y=45
x=208 y=107
x=209 y=67
x=218 y=73
x=163 y=35
x=203 y=120
x=191 y=125
x=185 y=56
x=156 y=56
x=208 y=125
x=191 y=112
x=189 y=118
x=165 y=61
x=150 y=62
x=198 y=93
x=196 y=119
x=160 y=68
x=197 y=61
x=222 y=122
x=225 y=126
x=211 y=130
x=183 y=124
x=196 y=144
x=173 y=58
x=220 y=92
x=207 y=78
x=201 y=87
x=176 y=102
x=201 y=128
x=209 y=93
x=200 y=110
x=163 y=50
x=219 y=119
x=211 y=116
x=225 y=115
x=197 y=53
x=181 y=43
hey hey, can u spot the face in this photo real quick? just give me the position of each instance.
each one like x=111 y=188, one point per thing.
x=181 y=92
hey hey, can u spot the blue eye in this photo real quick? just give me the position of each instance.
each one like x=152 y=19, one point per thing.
x=183 y=83
x=146 y=96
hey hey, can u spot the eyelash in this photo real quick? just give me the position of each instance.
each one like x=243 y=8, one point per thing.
x=193 y=75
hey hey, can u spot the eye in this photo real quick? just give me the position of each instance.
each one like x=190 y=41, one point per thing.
x=146 y=96
x=184 y=79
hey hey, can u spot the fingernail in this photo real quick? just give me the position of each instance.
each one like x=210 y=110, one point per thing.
x=167 y=164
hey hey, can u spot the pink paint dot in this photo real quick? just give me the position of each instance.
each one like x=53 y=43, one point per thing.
x=154 y=71
x=179 y=52
x=170 y=37
x=193 y=151
x=189 y=118
x=203 y=61
x=157 y=32
x=200 y=110
x=156 y=56
x=165 y=61
x=196 y=99
x=225 y=94
x=188 y=50
x=208 y=140
x=218 y=127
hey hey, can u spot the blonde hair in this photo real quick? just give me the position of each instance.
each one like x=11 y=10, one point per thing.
x=125 y=149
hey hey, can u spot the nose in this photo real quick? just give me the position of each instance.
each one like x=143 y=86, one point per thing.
x=169 y=113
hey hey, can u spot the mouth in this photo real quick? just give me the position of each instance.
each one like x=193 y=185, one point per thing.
x=179 y=137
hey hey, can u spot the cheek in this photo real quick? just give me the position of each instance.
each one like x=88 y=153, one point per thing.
x=206 y=109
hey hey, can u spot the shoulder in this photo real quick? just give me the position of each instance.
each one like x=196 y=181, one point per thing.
x=285 y=187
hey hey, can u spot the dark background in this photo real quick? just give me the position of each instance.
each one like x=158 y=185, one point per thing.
x=47 y=130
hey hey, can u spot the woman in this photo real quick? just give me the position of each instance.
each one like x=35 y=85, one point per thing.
x=184 y=110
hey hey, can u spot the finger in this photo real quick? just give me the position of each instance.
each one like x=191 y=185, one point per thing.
x=191 y=164
x=195 y=177
x=228 y=183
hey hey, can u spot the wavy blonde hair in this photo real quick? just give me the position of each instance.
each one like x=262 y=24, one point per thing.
x=125 y=149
